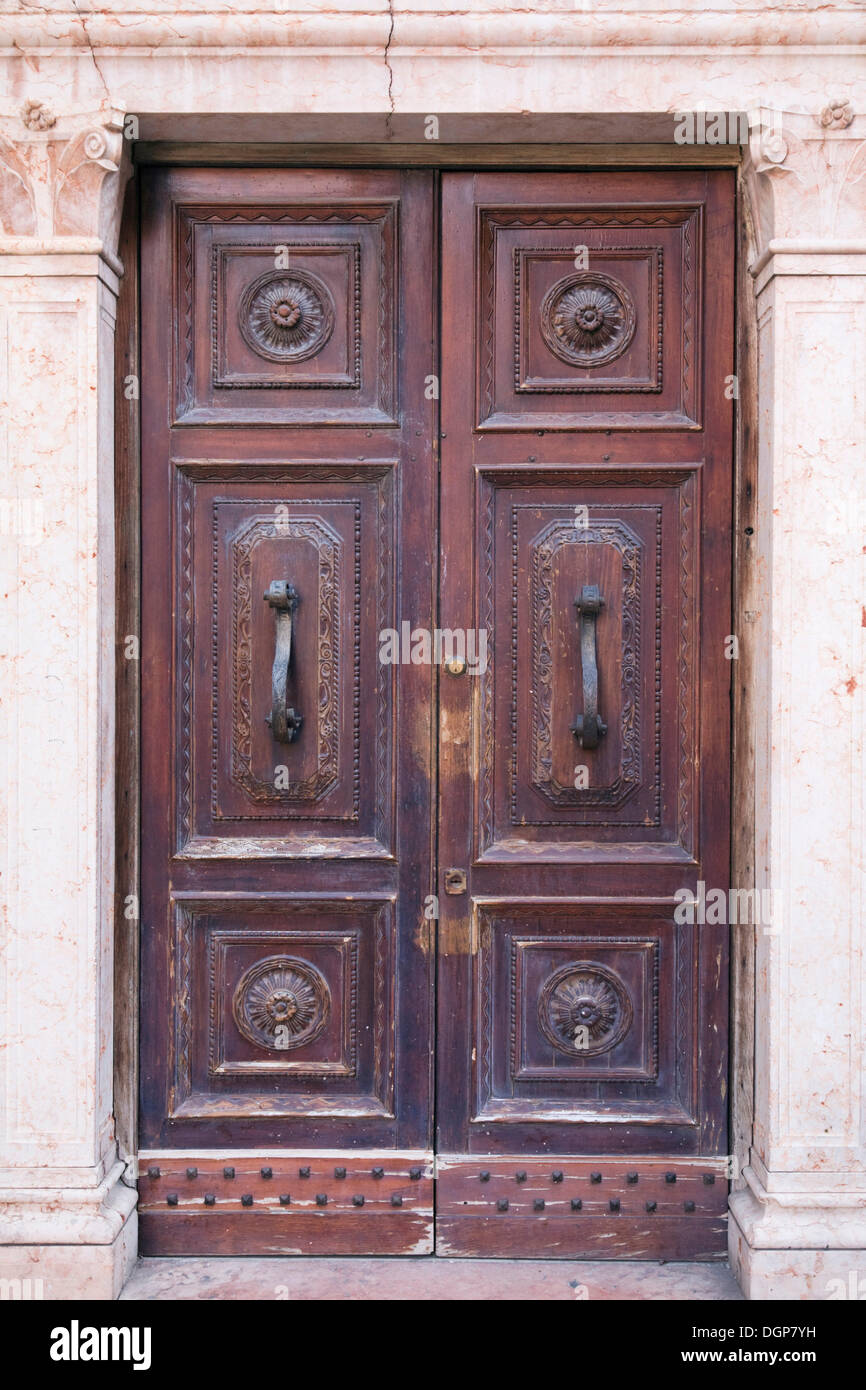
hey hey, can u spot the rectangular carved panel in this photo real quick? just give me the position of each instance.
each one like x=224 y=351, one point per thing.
x=584 y=1008
x=543 y=537
x=330 y=534
x=296 y=326
x=282 y=1007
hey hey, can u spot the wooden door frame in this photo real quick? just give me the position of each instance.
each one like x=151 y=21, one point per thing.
x=344 y=150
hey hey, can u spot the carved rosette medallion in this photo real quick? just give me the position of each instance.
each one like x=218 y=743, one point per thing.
x=584 y=997
x=588 y=319
x=286 y=316
x=281 y=1003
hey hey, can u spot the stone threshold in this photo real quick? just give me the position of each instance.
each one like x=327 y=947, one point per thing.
x=427 y=1279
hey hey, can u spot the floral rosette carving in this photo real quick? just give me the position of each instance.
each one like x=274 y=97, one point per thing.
x=588 y=319
x=281 y=1003
x=584 y=1009
x=287 y=316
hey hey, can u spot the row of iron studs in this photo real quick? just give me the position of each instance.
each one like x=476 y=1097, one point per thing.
x=415 y=1174
x=614 y=1203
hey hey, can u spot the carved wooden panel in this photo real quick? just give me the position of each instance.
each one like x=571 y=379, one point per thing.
x=294 y=993
x=287 y=314
x=583 y=1007
x=589 y=317
x=578 y=331
x=329 y=533
x=543 y=536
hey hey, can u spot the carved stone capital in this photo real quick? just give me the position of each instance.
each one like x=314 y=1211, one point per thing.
x=806 y=179
x=61 y=180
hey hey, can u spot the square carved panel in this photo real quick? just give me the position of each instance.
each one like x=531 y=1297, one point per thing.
x=287 y=314
x=582 y=1004
x=329 y=533
x=283 y=1006
x=589 y=318
x=574 y=1004
x=293 y=1009
x=293 y=327
x=577 y=330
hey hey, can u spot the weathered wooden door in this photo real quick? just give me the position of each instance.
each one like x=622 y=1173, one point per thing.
x=585 y=524
x=301 y=552
x=289 y=521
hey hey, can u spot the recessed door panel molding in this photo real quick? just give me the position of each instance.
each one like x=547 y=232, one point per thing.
x=286 y=314
x=542 y=536
x=583 y=774
x=330 y=534
x=282 y=1006
x=590 y=313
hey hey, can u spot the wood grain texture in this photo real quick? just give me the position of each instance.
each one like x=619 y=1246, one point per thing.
x=287 y=1204
x=608 y=1208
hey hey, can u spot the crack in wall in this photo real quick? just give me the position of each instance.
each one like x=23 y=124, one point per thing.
x=387 y=57
x=82 y=19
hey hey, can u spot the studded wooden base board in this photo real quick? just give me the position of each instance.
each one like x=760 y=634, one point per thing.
x=384 y=1204
x=624 y=1208
x=289 y=1204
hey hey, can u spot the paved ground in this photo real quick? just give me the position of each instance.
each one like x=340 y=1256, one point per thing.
x=426 y=1279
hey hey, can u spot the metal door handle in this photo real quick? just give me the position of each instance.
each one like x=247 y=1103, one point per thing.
x=285 y=722
x=588 y=727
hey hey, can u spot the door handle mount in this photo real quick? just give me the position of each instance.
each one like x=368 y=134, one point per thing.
x=588 y=728
x=285 y=722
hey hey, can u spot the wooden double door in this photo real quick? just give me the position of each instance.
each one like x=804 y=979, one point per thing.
x=436 y=498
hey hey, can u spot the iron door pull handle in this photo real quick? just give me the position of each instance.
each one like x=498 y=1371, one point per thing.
x=285 y=722
x=588 y=727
